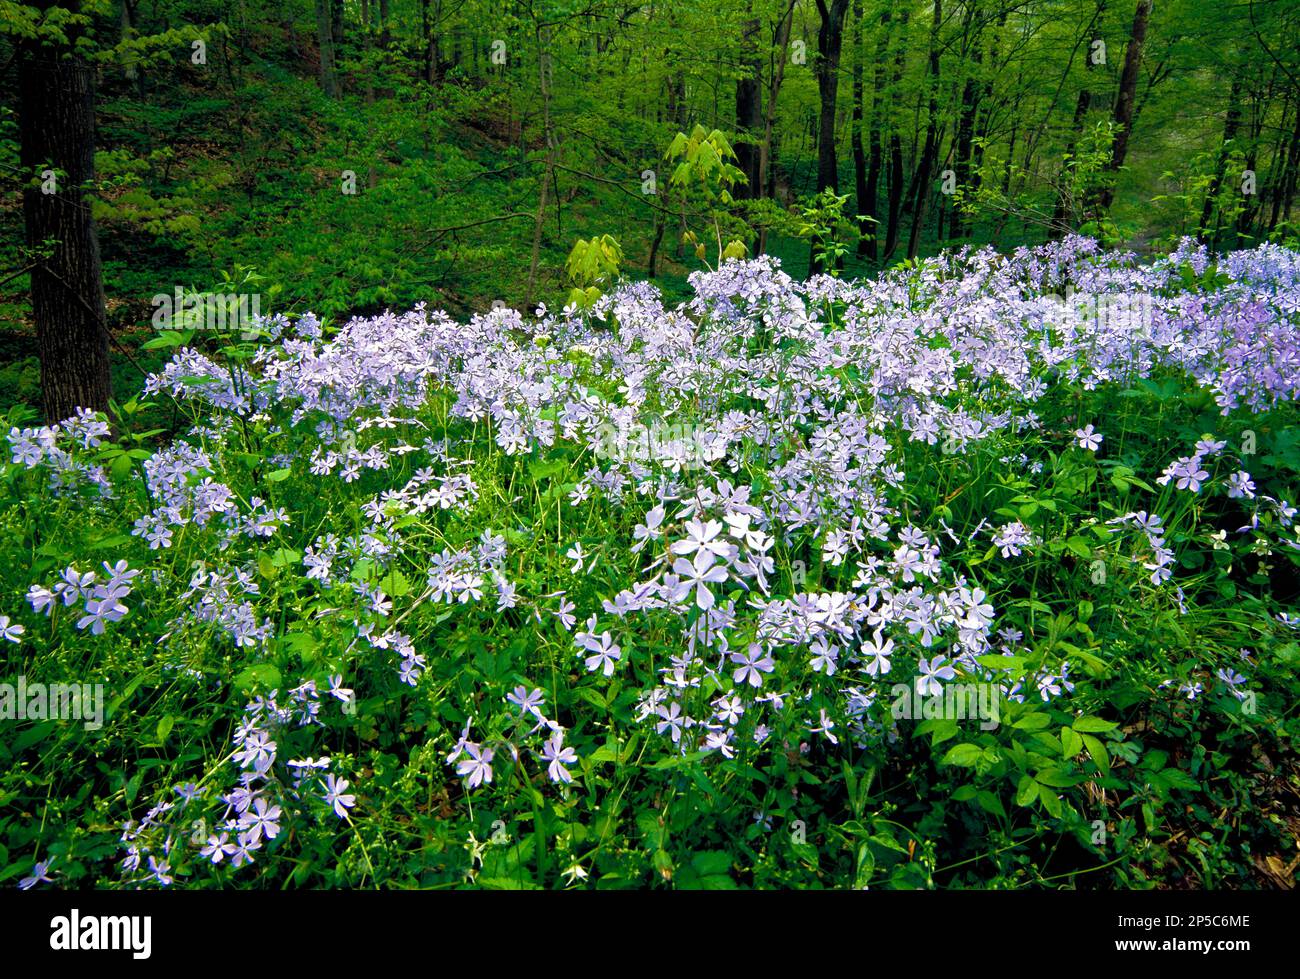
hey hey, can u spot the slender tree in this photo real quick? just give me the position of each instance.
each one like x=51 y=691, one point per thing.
x=896 y=193
x=925 y=168
x=329 y=81
x=749 y=108
x=830 y=41
x=1125 y=98
x=869 y=202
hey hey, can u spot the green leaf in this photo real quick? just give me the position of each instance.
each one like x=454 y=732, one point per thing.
x=1026 y=791
x=1056 y=778
x=965 y=755
x=996 y=661
x=395 y=584
x=262 y=675
x=711 y=863
x=168 y=338
x=940 y=730
x=1033 y=722
x=1051 y=801
x=991 y=803
x=1097 y=751
x=1093 y=725
x=284 y=557
x=1080 y=547
x=301 y=643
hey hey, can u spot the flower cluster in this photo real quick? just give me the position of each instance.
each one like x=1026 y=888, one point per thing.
x=433 y=513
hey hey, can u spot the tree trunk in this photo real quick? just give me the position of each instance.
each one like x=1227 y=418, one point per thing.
x=859 y=153
x=367 y=43
x=924 y=171
x=776 y=76
x=652 y=269
x=1230 y=126
x=677 y=112
x=1286 y=191
x=57 y=130
x=749 y=110
x=336 y=24
x=962 y=151
x=830 y=40
x=325 y=38
x=767 y=148
x=543 y=39
x=130 y=70
x=970 y=102
x=982 y=117
x=1125 y=99
x=896 y=147
x=429 y=41
x=1063 y=210
x=870 y=205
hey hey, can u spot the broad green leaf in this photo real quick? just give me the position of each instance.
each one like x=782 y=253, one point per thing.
x=965 y=755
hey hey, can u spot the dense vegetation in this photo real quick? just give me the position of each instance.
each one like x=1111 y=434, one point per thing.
x=627 y=594
x=708 y=444
x=230 y=136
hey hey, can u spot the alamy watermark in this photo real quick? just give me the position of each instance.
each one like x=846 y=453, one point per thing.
x=953 y=702
x=75 y=932
x=1123 y=312
x=681 y=446
x=53 y=702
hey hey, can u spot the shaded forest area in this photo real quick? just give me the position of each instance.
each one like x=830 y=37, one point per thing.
x=349 y=157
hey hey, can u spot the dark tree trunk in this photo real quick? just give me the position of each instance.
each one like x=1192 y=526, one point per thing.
x=1230 y=126
x=325 y=38
x=869 y=205
x=830 y=40
x=652 y=262
x=1286 y=192
x=677 y=113
x=57 y=128
x=925 y=170
x=965 y=137
x=971 y=95
x=776 y=76
x=1276 y=171
x=429 y=40
x=1011 y=161
x=336 y=23
x=1124 y=101
x=749 y=110
x=896 y=147
x=982 y=117
x=1063 y=211
x=855 y=135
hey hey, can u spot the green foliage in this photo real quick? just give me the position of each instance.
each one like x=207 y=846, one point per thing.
x=822 y=222
x=591 y=265
x=703 y=171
